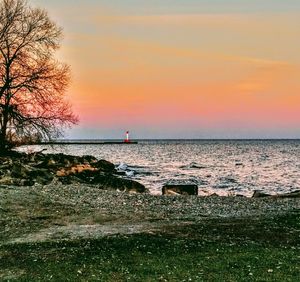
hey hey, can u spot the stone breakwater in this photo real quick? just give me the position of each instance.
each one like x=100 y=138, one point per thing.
x=20 y=169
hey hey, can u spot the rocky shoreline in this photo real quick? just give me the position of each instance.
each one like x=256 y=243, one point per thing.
x=20 y=169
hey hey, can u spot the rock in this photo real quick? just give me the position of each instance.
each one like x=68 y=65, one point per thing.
x=259 y=194
x=41 y=176
x=26 y=170
x=6 y=161
x=63 y=161
x=122 y=166
x=104 y=165
x=88 y=159
x=116 y=183
x=171 y=193
x=294 y=194
x=180 y=189
x=24 y=182
x=227 y=180
x=19 y=171
x=45 y=164
x=16 y=181
x=193 y=165
x=26 y=176
x=129 y=173
x=105 y=180
x=74 y=170
x=121 y=173
x=51 y=163
x=60 y=160
x=7 y=180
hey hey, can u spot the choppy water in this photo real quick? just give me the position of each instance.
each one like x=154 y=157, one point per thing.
x=222 y=167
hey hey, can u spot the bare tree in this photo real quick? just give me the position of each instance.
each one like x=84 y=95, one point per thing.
x=32 y=82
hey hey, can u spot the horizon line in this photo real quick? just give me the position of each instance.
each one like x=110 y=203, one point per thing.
x=175 y=139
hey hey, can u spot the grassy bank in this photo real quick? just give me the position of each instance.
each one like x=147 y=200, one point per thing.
x=248 y=249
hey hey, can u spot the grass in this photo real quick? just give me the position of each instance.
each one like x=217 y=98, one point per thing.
x=260 y=249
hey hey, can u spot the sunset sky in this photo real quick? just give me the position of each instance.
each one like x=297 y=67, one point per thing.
x=182 y=68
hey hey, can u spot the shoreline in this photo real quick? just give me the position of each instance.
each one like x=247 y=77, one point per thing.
x=143 y=212
x=28 y=169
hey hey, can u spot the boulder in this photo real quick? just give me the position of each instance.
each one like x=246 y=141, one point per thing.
x=74 y=170
x=5 y=161
x=109 y=181
x=60 y=160
x=104 y=180
x=122 y=167
x=7 y=180
x=24 y=182
x=47 y=163
x=259 y=194
x=121 y=173
x=41 y=176
x=19 y=171
x=88 y=159
x=294 y=194
x=180 y=189
x=104 y=165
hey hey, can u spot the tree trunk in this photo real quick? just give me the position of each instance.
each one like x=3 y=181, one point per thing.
x=3 y=146
x=3 y=132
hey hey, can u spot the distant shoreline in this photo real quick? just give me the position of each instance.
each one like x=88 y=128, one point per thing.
x=86 y=142
x=137 y=141
x=171 y=140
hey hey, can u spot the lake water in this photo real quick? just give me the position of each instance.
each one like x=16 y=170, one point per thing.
x=225 y=167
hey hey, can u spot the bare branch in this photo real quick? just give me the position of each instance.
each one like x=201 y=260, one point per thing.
x=32 y=82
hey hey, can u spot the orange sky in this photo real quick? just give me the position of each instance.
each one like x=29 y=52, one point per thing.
x=210 y=72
